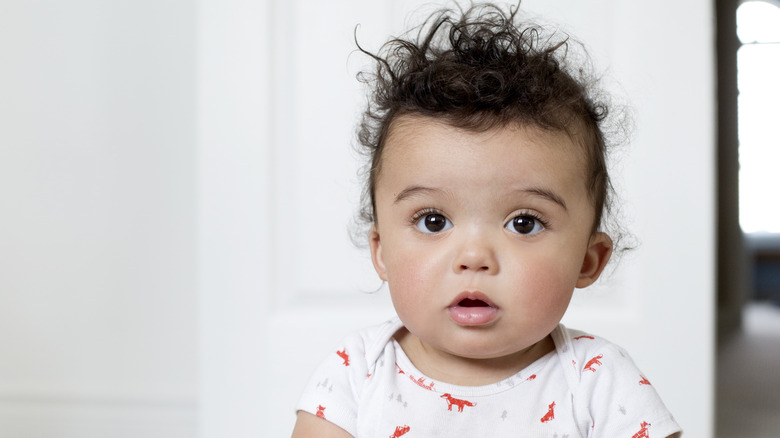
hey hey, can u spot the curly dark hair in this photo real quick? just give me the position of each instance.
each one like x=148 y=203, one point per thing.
x=479 y=69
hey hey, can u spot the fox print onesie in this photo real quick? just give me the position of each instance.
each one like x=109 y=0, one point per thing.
x=586 y=388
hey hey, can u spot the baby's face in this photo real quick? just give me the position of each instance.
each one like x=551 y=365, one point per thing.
x=482 y=237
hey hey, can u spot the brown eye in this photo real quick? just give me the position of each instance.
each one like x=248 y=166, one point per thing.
x=433 y=223
x=525 y=225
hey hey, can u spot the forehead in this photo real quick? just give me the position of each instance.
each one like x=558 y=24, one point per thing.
x=431 y=145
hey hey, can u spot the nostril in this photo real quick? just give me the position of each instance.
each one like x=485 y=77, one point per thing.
x=481 y=268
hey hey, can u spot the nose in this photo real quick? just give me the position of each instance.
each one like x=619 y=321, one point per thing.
x=476 y=254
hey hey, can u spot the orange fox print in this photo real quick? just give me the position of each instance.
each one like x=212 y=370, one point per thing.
x=321 y=411
x=643 y=431
x=584 y=337
x=531 y=377
x=550 y=415
x=591 y=363
x=644 y=380
x=343 y=354
x=457 y=402
x=421 y=383
x=399 y=431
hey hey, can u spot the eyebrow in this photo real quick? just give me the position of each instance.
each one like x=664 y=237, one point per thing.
x=412 y=191
x=546 y=194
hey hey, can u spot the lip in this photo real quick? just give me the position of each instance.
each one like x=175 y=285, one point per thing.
x=472 y=316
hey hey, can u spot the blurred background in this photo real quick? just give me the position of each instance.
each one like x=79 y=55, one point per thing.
x=177 y=183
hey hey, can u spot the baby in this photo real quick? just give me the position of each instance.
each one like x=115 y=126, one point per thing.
x=485 y=195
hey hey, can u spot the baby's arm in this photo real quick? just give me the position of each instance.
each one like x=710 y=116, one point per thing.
x=309 y=425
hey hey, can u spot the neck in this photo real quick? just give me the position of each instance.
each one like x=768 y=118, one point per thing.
x=465 y=371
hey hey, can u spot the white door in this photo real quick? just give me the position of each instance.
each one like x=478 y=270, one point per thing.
x=280 y=281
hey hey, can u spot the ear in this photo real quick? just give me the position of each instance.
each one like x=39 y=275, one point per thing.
x=375 y=245
x=596 y=258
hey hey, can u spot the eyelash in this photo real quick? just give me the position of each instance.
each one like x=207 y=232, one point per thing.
x=532 y=215
x=422 y=213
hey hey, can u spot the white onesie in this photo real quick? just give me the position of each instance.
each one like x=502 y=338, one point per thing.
x=587 y=387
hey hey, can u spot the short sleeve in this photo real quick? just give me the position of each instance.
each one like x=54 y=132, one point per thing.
x=622 y=401
x=334 y=389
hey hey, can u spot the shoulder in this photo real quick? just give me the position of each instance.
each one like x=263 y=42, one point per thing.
x=594 y=358
x=365 y=347
x=593 y=352
x=335 y=388
x=617 y=396
x=356 y=355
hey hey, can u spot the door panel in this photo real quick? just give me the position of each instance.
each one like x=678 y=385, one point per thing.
x=281 y=281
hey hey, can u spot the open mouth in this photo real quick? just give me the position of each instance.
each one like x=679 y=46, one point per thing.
x=472 y=299
x=468 y=302
x=473 y=309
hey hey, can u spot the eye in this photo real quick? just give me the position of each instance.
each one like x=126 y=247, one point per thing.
x=433 y=223
x=525 y=224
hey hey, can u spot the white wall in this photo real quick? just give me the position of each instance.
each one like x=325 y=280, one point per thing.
x=98 y=219
x=234 y=222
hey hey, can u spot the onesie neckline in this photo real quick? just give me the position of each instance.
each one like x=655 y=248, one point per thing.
x=405 y=366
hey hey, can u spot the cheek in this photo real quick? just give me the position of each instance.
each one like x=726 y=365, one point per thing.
x=545 y=284
x=404 y=273
x=412 y=278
